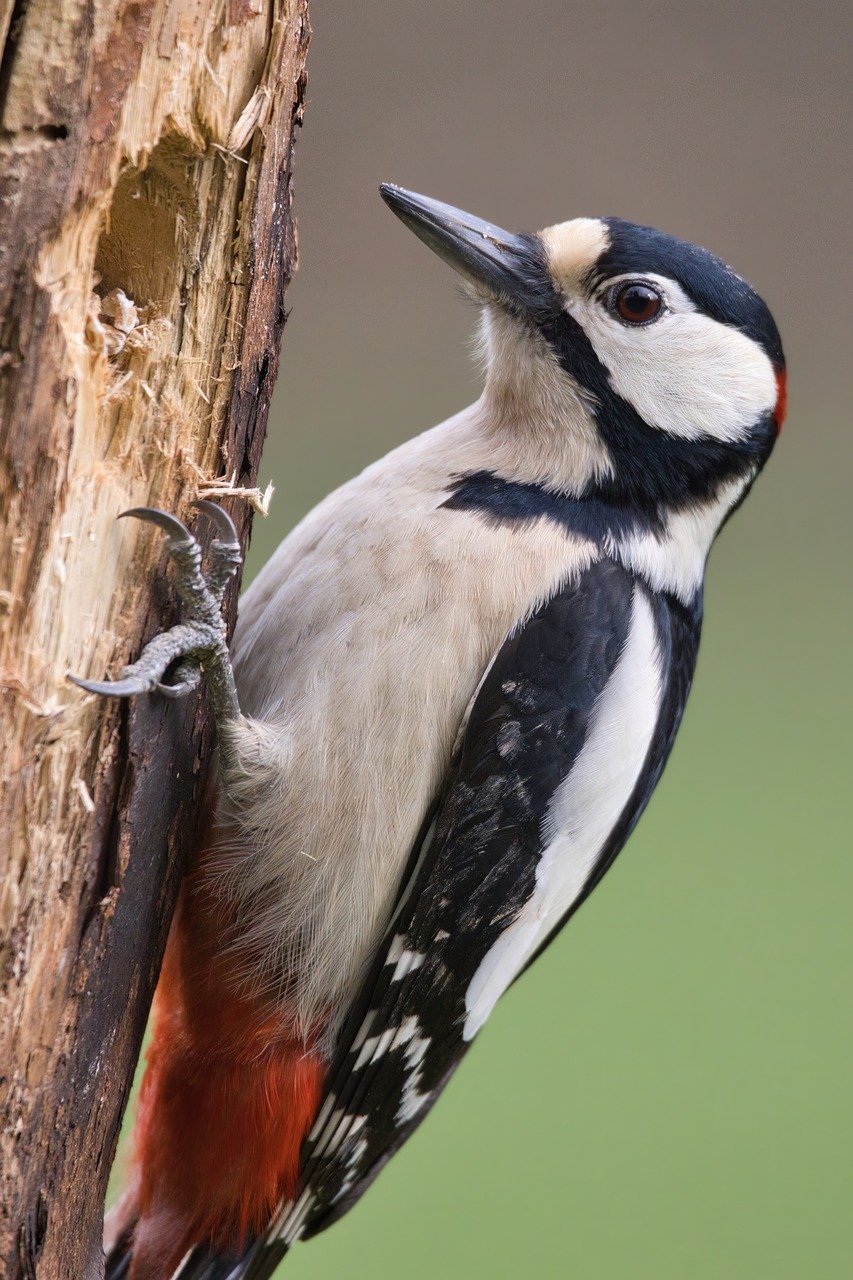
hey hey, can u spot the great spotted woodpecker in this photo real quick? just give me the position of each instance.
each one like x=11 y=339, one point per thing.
x=454 y=688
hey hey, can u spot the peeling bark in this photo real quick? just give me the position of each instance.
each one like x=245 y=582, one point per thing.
x=146 y=242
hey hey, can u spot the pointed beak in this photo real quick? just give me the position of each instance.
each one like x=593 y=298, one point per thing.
x=504 y=264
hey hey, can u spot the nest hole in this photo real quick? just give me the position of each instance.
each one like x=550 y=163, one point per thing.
x=152 y=221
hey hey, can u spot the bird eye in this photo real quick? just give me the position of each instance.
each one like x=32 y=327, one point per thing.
x=636 y=303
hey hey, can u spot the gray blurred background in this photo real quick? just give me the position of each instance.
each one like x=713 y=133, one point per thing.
x=667 y=1094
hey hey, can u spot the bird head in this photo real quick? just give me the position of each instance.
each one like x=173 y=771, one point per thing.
x=650 y=349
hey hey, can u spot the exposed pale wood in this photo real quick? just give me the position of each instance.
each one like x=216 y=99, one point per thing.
x=145 y=244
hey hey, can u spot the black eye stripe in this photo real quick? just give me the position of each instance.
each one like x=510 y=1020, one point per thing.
x=653 y=468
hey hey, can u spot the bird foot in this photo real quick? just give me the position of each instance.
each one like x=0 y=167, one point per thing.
x=198 y=644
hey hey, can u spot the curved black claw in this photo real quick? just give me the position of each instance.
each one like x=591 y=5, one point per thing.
x=175 y=528
x=203 y=634
x=114 y=688
x=225 y=528
x=187 y=677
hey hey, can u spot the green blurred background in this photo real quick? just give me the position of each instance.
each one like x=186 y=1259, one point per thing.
x=667 y=1094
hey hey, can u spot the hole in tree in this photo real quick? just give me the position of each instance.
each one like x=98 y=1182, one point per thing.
x=152 y=220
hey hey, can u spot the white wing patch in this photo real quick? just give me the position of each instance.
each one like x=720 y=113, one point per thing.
x=413 y=1100
x=402 y=958
x=583 y=810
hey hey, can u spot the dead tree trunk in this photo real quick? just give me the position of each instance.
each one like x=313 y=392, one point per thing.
x=145 y=245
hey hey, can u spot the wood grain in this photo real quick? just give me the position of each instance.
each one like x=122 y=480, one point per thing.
x=146 y=242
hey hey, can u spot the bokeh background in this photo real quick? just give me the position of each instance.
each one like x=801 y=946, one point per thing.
x=667 y=1094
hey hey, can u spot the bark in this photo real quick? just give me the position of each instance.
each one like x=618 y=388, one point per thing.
x=146 y=242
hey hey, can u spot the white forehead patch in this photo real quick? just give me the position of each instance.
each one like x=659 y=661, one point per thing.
x=572 y=248
x=685 y=373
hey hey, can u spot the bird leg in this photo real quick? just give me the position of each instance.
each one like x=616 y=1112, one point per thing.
x=198 y=644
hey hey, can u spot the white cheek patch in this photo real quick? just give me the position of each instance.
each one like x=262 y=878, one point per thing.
x=685 y=374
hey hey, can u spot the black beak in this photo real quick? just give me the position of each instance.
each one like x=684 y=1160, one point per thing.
x=508 y=266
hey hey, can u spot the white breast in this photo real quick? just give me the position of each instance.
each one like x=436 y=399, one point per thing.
x=357 y=651
x=583 y=810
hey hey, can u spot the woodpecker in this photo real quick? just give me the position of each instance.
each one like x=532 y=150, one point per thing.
x=450 y=695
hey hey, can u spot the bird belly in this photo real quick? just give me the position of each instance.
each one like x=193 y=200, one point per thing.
x=356 y=669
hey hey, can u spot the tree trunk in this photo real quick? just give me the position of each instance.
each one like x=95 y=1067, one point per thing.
x=145 y=245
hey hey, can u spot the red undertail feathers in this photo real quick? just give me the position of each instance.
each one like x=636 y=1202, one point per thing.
x=227 y=1099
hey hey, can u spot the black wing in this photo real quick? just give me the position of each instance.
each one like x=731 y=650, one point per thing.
x=476 y=869
x=473 y=870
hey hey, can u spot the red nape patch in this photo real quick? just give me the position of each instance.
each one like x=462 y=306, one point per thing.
x=781 y=411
